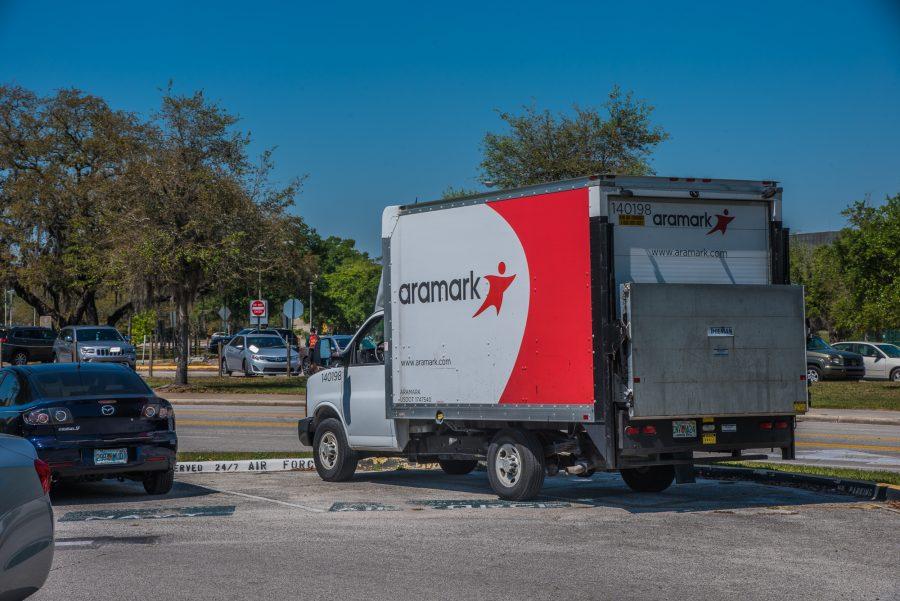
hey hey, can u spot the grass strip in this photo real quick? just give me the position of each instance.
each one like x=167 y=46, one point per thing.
x=239 y=455
x=879 y=476
x=864 y=394
x=227 y=385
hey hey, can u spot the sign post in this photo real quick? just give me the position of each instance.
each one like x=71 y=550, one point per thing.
x=292 y=310
x=259 y=312
x=225 y=315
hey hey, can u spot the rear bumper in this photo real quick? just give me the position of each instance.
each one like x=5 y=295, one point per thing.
x=75 y=459
x=719 y=434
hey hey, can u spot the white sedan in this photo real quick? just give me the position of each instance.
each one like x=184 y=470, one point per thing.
x=882 y=360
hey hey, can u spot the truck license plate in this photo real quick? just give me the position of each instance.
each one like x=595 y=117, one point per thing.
x=110 y=456
x=684 y=429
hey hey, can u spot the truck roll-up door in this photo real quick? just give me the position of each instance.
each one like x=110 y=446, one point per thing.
x=665 y=240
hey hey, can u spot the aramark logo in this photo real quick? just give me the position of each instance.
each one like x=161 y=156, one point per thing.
x=703 y=220
x=459 y=289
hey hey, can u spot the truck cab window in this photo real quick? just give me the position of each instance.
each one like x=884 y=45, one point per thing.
x=369 y=347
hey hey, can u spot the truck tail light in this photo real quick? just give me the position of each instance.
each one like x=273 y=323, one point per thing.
x=649 y=430
x=43 y=472
x=632 y=430
x=781 y=425
x=765 y=425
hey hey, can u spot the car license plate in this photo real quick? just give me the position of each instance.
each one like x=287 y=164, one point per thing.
x=110 y=456
x=684 y=429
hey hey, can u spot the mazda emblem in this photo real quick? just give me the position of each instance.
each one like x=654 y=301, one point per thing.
x=108 y=409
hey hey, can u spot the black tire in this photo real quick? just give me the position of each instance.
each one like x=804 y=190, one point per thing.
x=246 y=370
x=159 y=483
x=225 y=369
x=656 y=478
x=337 y=462
x=895 y=375
x=20 y=358
x=457 y=467
x=524 y=479
x=813 y=373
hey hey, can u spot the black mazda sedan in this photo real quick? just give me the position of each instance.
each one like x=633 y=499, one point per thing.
x=91 y=421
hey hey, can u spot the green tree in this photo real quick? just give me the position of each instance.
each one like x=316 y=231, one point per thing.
x=450 y=193
x=541 y=147
x=868 y=258
x=199 y=215
x=352 y=288
x=61 y=158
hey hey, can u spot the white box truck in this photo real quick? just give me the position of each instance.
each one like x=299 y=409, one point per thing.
x=602 y=323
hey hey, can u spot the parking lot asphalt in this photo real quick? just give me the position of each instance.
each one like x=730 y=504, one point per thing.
x=405 y=535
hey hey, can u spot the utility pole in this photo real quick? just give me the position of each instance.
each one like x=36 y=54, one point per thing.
x=310 y=306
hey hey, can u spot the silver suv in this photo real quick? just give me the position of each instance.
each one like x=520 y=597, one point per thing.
x=92 y=344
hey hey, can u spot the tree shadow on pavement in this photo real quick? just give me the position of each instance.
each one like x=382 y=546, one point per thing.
x=608 y=490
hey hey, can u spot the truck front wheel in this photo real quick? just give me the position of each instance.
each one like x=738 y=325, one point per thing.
x=335 y=460
x=457 y=467
x=656 y=478
x=515 y=463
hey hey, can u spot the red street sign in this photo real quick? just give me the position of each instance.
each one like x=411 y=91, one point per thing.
x=258 y=308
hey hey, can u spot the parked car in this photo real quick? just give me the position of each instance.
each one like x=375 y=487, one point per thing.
x=215 y=339
x=26 y=519
x=91 y=421
x=824 y=362
x=94 y=344
x=258 y=354
x=881 y=360
x=22 y=344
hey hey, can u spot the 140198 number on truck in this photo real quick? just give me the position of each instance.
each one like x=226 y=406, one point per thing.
x=542 y=329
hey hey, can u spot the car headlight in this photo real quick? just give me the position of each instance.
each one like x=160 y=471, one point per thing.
x=836 y=359
x=258 y=357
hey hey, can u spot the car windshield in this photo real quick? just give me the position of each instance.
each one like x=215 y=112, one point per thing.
x=99 y=335
x=817 y=344
x=342 y=341
x=61 y=384
x=891 y=350
x=265 y=342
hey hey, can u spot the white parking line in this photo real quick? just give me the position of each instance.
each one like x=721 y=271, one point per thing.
x=246 y=496
x=74 y=543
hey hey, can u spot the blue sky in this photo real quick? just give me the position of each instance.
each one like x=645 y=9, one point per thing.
x=381 y=103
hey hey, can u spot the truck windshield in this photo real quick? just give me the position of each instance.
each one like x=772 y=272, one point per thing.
x=891 y=350
x=817 y=344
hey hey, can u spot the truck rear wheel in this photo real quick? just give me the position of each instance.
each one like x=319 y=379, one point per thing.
x=656 y=478
x=516 y=465
x=457 y=467
x=335 y=460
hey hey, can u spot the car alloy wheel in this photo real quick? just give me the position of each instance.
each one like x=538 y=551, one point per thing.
x=812 y=374
x=20 y=358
